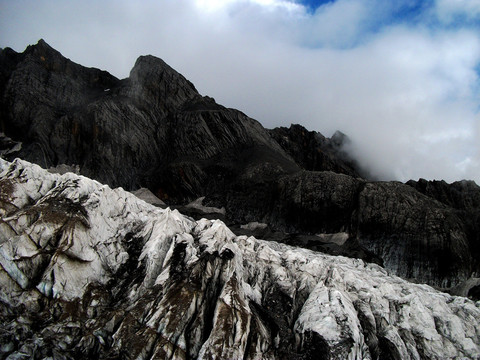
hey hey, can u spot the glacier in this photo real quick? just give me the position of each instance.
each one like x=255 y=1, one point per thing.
x=91 y=271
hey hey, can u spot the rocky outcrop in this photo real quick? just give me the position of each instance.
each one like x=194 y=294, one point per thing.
x=417 y=237
x=390 y=223
x=314 y=152
x=147 y=196
x=463 y=198
x=90 y=271
x=461 y=195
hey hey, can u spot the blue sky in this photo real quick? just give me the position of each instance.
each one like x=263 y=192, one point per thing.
x=313 y=5
x=401 y=78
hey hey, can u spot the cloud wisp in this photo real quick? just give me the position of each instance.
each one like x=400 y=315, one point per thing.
x=400 y=78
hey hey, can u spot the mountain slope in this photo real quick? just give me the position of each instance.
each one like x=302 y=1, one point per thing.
x=152 y=283
x=151 y=129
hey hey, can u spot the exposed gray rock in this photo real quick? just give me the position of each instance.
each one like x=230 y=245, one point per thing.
x=153 y=82
x=252 y=226
x=462 y=195
x=92 y=272
x=338 y=238
x=417 y=237
x=63 y=168
x=149 y=197
x=198 y=205
x=8 y=146
x=315 y=152
x=468 y=288
x=464 y=198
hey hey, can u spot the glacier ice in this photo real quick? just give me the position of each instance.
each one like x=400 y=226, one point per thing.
x=108 y=274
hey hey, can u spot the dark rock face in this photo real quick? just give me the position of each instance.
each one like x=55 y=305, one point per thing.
x=416 y=236
x=152 y=129
x=40 y=84
x=155 y=130
x=317 y=201
x=461 y=195
x=463 y=198
x=314 y=152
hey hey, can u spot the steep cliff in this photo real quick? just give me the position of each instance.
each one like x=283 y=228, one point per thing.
x=93 y=272
x=463 y=198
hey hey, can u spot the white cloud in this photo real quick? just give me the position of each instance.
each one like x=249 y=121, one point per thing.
x=450 y=10
x=338 y=23
x=216 y=5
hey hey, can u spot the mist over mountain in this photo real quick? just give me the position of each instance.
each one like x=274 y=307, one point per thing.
x=154 y=131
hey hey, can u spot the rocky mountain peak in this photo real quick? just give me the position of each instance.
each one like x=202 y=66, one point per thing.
x=314 y=151
x=152 y=80
x=340 y=139
x=149 y=64
x=42 y=47
x=50 y=59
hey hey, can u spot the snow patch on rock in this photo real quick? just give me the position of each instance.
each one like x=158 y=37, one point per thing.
x=198 y=205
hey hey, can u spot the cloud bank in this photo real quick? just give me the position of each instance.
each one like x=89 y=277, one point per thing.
x=400 y=78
